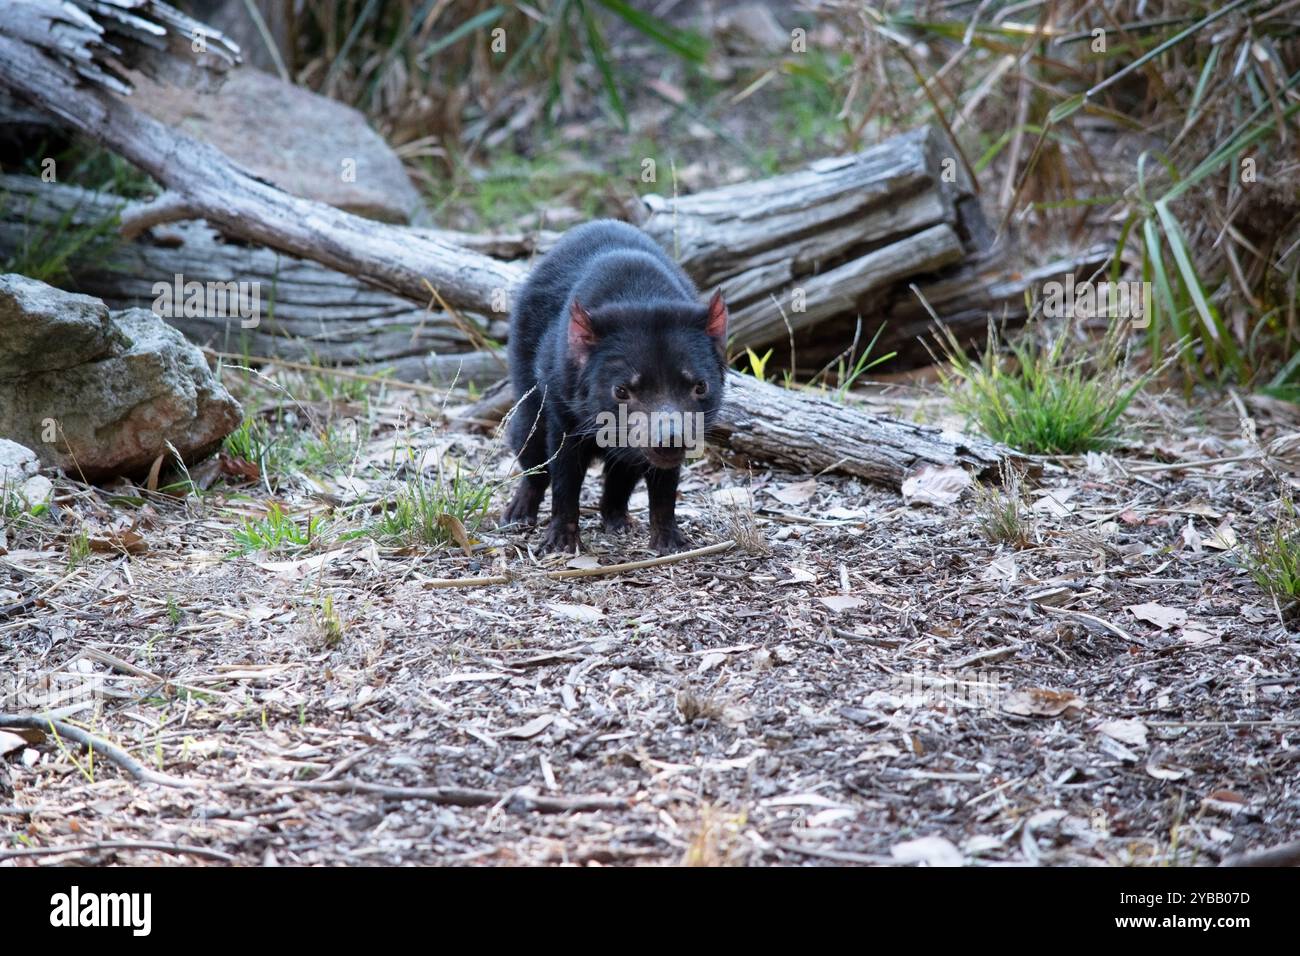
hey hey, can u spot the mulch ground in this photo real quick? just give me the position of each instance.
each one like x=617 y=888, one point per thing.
x=863 y=680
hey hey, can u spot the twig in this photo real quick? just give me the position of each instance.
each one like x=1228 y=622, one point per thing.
x=840 y=856
x=445 y=796
x=1091 y=620
x=118 y=845
x=330 y=370
x=561 y=575
x=1287 y=854
x=102 y=747
x=137 y=217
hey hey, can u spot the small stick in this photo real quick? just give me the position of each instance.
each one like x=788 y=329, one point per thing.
x=395 y=383
x=118 y=845
x=114 y=754
x=561 y=575
x=1286 y=854
x=136 y=217
x=445 y=796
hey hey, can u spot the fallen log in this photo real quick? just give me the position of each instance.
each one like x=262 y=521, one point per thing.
x=790 y=252
x=44 y=65
x=307 y=313
x=964 y=298
x=795 y=250
x=808 y=433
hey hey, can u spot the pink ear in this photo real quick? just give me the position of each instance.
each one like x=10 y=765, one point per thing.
x=582 y=338
x=716 y=324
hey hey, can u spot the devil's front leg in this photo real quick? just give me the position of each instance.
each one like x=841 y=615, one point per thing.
x=665 y=537
x=569 y=462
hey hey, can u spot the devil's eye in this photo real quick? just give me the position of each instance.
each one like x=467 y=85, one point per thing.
x=701 y=389
x=621 y=393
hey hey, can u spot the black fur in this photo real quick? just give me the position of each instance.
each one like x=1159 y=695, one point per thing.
x=651 y=334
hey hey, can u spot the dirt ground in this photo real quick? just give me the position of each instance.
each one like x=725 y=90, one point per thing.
x=882 y=685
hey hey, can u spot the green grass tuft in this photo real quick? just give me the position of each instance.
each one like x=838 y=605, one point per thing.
x=434 y=511
x=277 y=533
x=1043 y=398
x=1273 y=560
x=1002 y=513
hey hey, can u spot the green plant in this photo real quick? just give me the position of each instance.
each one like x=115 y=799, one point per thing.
x=1043 y=397
x=1001 y=510
x=50 y=251
x=384 y=59
x=328 y=623
x=1209 y=218
x=78 y=548
x=1273 y=558
x=757 y=365
x=846 y=374
x=434 y=511
x=277 y=532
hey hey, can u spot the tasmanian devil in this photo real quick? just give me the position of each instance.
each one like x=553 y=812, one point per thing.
x=611 y=355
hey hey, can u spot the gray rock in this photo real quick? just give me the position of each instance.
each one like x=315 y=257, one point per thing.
x=292 y=137
x=74 y=329
x=20 y=477
x=99 y=394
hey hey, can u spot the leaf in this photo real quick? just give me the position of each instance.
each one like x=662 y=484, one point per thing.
x=841 y=602
x=583 y=562
x=151 y=483
x=577 y=612
x=1223 y=538
x=294 y=570
x=686 y=44
x=1131 y=732
x=530 y=729
x=453 y=526
x=1001 y=568
x=1163 y=769
x=934 y=485
x=1041 y=702
x=10 y=742
x=1056 y=502
x=132 y=542
x=795 y=493
x=734 y=497
x=1159 y=615
x=930 y=850
x=800 y=575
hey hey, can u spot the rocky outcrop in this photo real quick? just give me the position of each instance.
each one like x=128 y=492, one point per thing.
x=99 y=394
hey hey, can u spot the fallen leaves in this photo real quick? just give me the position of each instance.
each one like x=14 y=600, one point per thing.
x=576 y=612
x=839 y=603
x=1159 y=615
x=118 y=541
x=936 y=486
x=930 y=850
x=1041 y=702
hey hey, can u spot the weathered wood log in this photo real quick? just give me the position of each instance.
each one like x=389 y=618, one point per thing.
x=790 y=251
x=964 y=298
x=217 y=189
x=307 y=313
x=810 y=434
x=794 y=250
